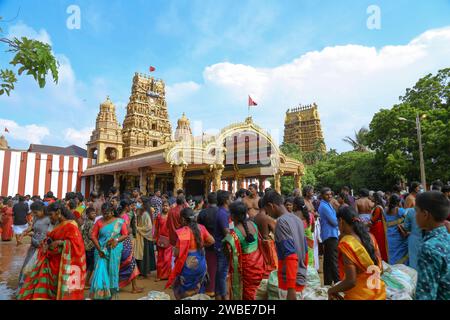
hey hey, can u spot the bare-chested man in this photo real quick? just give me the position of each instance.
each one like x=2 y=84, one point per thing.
x=252 y=201
x=364 y=205
x=410 y=201
x=308 y=193
x=266 y=228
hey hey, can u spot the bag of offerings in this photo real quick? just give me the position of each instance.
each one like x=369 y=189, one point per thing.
x=400 y=281
x=156 y=295
x=272 y=286
x=198 y=297
x=261 y=293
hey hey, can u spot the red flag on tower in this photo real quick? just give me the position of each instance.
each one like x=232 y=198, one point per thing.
x=6 y=130
x=251 y=103
x=152 y=68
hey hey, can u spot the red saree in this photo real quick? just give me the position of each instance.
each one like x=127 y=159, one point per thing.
x=184 y=238
x=378 y=229
x=247 y=266
x=7 y=222
x=269 y=253
x=164 y=261
x=59 y=274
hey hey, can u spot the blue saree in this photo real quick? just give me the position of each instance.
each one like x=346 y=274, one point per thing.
x=397 y=244
x=414 y=238
x=105 y=279
x=193 y=276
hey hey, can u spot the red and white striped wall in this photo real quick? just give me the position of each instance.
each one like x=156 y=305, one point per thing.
x=32 y=173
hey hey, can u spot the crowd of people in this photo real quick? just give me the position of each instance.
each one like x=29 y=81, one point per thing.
x=224 y=245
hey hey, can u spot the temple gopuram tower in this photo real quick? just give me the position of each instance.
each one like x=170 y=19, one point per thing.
x=302 y=127
x=106 y=139
x=146 y=124
x=3 y=143
x=183 y=131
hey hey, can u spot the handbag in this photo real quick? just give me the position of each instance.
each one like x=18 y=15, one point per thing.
x=163 y=242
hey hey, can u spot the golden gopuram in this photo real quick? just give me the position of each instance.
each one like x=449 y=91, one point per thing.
x=144 y=154
x=302 y=127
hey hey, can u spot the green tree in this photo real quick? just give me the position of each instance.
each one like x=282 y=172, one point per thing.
x=395 y=141
x=359 y=141
x=31 y=57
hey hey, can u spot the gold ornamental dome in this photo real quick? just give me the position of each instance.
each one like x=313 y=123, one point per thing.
x=107 y=104
x=183 y=121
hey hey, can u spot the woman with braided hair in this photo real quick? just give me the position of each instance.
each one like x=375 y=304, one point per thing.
x=359 y=261
x=301 y=211
x=188 y=276
x=246 y=259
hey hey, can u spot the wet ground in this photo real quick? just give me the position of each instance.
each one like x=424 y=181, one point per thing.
x=11 y=260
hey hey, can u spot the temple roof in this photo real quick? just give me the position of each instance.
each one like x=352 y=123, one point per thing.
x=72 y=150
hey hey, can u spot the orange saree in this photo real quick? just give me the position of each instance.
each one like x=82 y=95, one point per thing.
x=60 y=273
x=369 y=285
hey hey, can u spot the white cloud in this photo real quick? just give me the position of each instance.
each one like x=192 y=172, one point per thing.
x=349 y=83
x=78 y=137
x=22 y=30
x=180 y=91
x=31 y=133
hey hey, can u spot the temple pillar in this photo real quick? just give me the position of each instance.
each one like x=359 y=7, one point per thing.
x=261 y=183
x=207 y=181
x=217 y=176
x=230 y=184
x=97 y=182
x=178 y=177
x=143 y=180
x=151 y=182
x=277 y=181
x=298 y=182
x=129 y=182
x=116 y=180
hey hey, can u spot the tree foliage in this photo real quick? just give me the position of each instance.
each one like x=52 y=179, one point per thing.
x=395 y=141
x=31 y=57
x=359 y=142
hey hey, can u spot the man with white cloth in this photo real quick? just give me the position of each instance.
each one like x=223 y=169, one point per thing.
x=20 y=224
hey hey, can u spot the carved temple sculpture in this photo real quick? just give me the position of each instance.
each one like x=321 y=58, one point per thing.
x=106 y=139
x=302 y=127
x=147 y=122
x=143 y=154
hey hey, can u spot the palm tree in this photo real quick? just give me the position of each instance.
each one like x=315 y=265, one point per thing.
x=359 y=142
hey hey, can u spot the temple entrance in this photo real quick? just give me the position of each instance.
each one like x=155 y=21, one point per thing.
x=195 y=187
x=106 y=183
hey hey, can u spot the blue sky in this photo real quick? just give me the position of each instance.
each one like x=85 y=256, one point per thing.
x=213 y=53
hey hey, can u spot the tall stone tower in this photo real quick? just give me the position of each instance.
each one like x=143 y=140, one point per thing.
x=183 y=131
x=106 y=138
x=146 y=124
x=3 y=143
x=302 y=127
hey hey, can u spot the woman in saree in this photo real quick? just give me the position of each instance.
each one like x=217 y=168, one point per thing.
x=188 y=277
x=38 y=232
x=144 y=252
x=60 y=270
x=301 y=211
x=359 y=261
x=378 y=226
x=7 y=220
x=107 y=235
x=164 y=261
x=128 y=268
x=396 y=238
x=246 y=259
x=415 y=237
